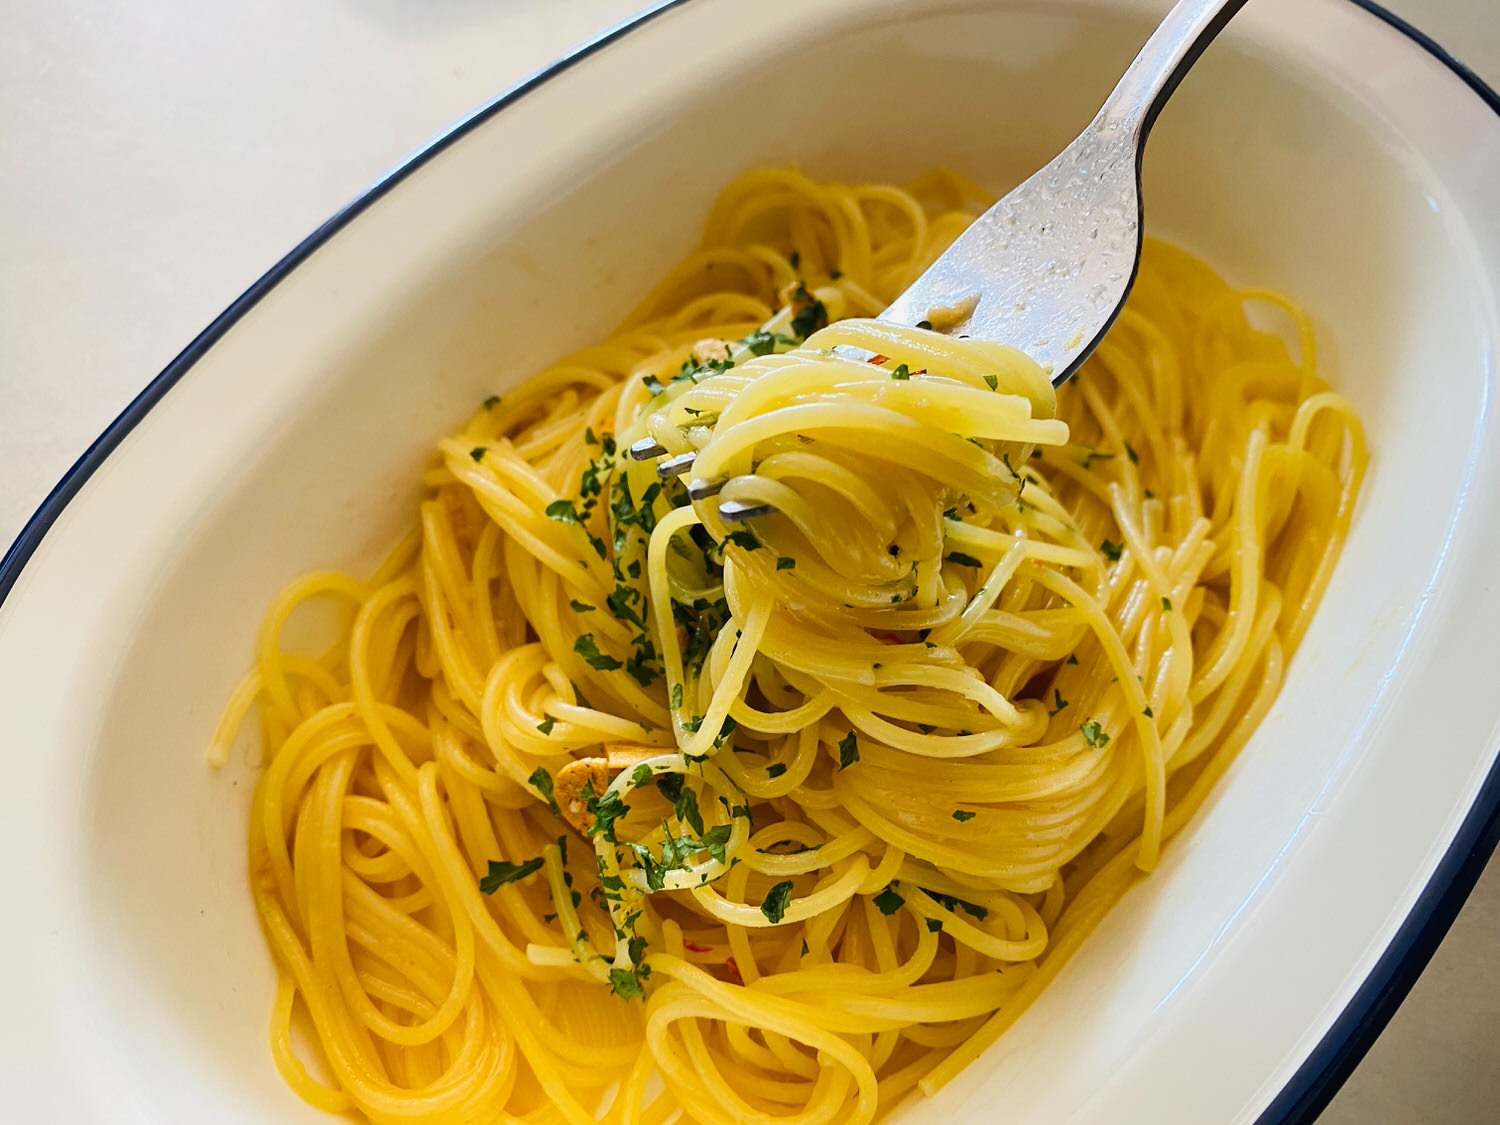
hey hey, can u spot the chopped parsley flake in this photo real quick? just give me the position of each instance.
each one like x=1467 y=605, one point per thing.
x=501 y=873
x=962 y=815
x=1111 y=551
x=993 y=382
x=848 y=751
x=715 y=840
x=777 y=898
x=962 y=559
x=585 y=647
x=1150 y=714
x=776 y=769
x=784 y=563
x=477 y=453
x=764 y=343
x=743 y=539
x=605 y=811
x=1166 y=605
x=901 y=372
x=948 y=902
x=562 y=511
x=729 y=726
x=640 y=665
x=1094 y=734
x=546 y=725
x=1134 y=460
x=889 y=901
x=626 y=984
x=686 y=808
x=812 y=318
x=580 y=607
x=1058 y=703
x=492 y=402
x=676 y=696
x=541 y=781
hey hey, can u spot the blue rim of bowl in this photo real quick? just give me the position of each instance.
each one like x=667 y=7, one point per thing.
x=1331 y=1062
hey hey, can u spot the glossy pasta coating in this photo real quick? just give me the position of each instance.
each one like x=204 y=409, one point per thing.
x=605 y=810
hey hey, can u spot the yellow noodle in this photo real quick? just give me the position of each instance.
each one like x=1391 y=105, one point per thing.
x=868 y=769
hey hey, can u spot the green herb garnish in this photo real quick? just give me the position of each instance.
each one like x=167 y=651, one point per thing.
x=605 y=810
x=562 y=511
x=812 y=318
x=777 y=898
x=948 y=902
x=585 y=647
x=626 y=984
x=541 y=781
x=889 y=901
x=848 y=751
x=501 y=873
x=743 y=539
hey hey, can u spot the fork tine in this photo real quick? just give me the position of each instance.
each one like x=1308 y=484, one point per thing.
x=647 y=448
x=737 y=511
x=703 y=489
x=675 y=466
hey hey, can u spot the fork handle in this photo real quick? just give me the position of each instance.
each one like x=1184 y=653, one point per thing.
x=1164 y=61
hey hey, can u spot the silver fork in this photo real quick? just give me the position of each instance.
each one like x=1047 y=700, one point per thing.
x=1048 y=268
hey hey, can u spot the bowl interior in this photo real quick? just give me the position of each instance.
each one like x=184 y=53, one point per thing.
x=533 y=235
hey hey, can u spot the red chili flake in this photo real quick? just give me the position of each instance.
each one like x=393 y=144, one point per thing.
x=694 y=947
x=877 y=359
x=733 y=970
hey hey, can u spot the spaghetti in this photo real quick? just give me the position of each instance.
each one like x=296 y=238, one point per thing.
x=606 y=810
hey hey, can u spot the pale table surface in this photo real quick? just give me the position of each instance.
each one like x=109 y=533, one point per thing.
x=157 y=157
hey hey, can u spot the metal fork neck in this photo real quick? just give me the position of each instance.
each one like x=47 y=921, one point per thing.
x=1166 y=58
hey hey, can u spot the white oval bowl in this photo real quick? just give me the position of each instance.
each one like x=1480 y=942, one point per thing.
x=1318 y=149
